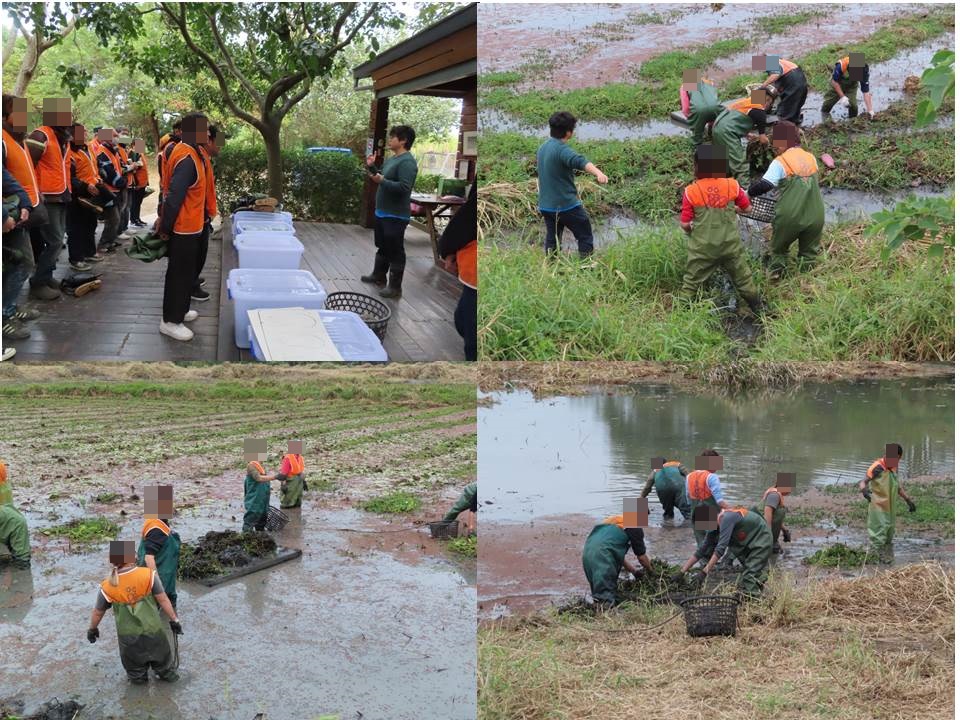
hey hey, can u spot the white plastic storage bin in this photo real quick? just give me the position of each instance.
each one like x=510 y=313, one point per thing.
x=254 y=289
x=263 y=216
x=355 y=341
x=268 y=250
x=242 y=227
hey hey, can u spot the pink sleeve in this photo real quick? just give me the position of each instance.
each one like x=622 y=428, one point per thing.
x=742 y=201
x=285 y=466
x=684 y=101
x=686 y=213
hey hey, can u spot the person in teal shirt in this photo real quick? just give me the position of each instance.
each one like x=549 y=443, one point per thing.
x=395 y=183
x=557 y=198
x=256 y=491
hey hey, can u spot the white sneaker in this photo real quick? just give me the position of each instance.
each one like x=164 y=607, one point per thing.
x=191 y=316
x=178 y=331
x=8 y=353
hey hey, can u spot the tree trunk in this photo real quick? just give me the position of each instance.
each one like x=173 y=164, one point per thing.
x=271 y=138
x=155 y=131
x=27 y=66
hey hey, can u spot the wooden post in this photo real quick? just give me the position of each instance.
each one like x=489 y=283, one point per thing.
x=376 y=142
x=468 y=123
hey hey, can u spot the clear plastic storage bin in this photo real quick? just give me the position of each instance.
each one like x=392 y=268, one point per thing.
x=268 y=250
x=242 y=227
x=283 y=216
x=354 y=340
x=254 y=289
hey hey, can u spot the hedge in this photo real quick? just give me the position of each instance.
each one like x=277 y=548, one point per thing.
x=322 y=187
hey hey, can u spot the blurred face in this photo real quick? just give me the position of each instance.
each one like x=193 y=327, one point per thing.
x=395 y=144
x=105 y=135
x=57 y=112
x=255 y=450
x=786 y=482
x=295 y=447
x=195 y=131
x=705 y=518
x=158 y=501
x=122 y=552
x=214 y=145
x=79 y=135
x=17 y=120
x=139 y=145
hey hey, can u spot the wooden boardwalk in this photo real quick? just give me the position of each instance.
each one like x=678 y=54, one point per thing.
x=119 y=321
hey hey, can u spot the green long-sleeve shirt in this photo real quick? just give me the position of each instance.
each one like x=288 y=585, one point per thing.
x=556 y=162
x=466 y=501
x=393 y=194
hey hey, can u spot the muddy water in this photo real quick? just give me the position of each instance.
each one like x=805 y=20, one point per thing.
x=346 y=630
x=587 y=54
x=551 y=468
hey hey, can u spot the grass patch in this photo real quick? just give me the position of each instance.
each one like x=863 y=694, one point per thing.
x=620 y=305
x=837 y=555
x=549 y=667
x=107 y=497
x=466 y=546
x=85 y=531
x=396 y=502
x=496 y=79
x=776 y=24
x=654 y=94
x=902 y=34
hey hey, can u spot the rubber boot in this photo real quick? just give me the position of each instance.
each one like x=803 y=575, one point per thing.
x=757 y=306
x=379 y=274
x=392 y=290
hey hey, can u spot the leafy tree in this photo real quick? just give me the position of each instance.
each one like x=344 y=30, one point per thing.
x=264 y=57
x=42 y=26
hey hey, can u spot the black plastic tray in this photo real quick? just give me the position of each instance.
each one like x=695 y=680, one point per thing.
x=283 y=554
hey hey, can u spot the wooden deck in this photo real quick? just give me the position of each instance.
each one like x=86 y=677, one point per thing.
x=421 y=327
x=119 y=321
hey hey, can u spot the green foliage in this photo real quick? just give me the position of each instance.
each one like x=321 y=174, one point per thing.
x=86 y=531
x=916 y=219
x=466 y=546
x=938 y=84
x=396 y=502
x=494 y=79
x=426 y=183
x=776 y=24
x=837 y=555
x=621 y=305
x=323 y=187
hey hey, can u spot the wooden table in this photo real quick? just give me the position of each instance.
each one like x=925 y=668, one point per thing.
x=434 y=207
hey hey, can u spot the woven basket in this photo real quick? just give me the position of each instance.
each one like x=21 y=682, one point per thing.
x=708 y=615
x=762 y=207
x=276 y=519
x=375 y=314
x=444 y=530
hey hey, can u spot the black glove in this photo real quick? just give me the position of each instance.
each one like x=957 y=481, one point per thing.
x=786 y=535
x=677 y=578
x=911 y=505
x=700 y=577
x=638 y=573
x=176 y=627
x=866 y=493
x=93 y=634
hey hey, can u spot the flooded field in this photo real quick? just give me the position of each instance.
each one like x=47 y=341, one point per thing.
x=374 y=620
x=552 y=468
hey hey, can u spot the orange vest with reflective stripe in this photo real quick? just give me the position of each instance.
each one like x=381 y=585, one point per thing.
x=189 y=220
x=876 y=463
x=844 y=64
x=742 y=510
x=672 y=463
x=744 y=105
x=114 y=159
x=770 y=490
x=52 y=173
x=259 y=468
x=797 y=161
x=154 y=524
x=84 y=168
x=134 y=586
x=21 y=166
x=697 y=487
x=210 y=203
x=467 y=264
x=786 y=66
x=124 y=158
x=140 y=175
x=614 y=520
x=296 y=463
x=712 y=192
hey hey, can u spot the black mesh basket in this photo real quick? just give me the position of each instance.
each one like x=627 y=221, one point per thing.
x=762 y=207
x=710 y=615
x=276 y=519
x=444 y=530
x=375 y=314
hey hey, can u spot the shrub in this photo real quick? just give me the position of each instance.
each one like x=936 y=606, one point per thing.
x=323 y=187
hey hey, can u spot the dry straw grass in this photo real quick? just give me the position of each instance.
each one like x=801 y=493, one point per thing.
x=869 y=649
